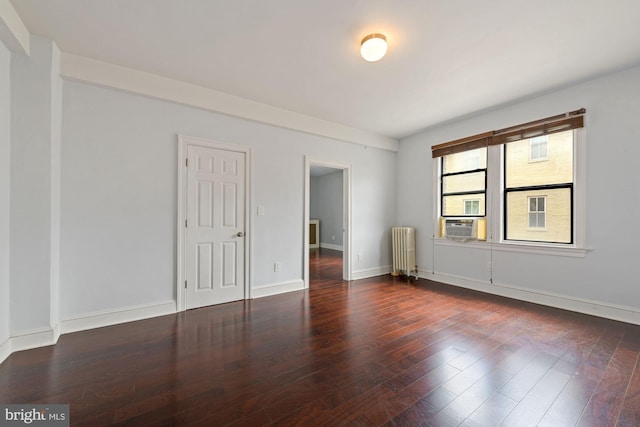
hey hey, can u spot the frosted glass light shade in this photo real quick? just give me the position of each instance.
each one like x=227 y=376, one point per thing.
x=373 y=47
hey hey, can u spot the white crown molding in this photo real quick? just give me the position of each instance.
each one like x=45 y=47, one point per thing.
x=13 y=33
x=75 y=67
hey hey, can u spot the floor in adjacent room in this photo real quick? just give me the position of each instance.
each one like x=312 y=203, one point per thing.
x=378 y=351
x=325 y=266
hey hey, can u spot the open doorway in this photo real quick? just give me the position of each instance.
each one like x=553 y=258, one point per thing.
x=327 y=222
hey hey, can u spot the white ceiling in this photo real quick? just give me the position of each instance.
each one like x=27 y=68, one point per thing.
x=446 y=59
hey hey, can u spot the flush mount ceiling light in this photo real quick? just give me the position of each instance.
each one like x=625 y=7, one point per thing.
x=373 y=47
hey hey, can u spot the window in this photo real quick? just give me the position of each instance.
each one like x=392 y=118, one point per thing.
x=549 y=185
x=523 y=182
x=536 y=212
x=460 y=179
x=472 y=207
x=538 y=148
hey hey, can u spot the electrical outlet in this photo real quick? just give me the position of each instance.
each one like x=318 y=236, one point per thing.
x=333 y=237
x=276 y=266
x=359 y=256
x=260 y=210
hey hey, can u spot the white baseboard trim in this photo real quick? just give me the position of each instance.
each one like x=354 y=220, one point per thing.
x=579 y=305
x=32 y=339
x=56 y=332
x=371 y=272
x=113 y=317
x=5 y=349
x=331 y=246
x=277 y=288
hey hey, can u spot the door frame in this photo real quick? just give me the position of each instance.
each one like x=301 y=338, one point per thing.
x=184 y=142
x=346 y=215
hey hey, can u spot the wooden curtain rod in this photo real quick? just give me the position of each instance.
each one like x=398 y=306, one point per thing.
x=553 y=124
x=547 y=120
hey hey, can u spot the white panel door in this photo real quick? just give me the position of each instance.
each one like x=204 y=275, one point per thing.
x=215 y=229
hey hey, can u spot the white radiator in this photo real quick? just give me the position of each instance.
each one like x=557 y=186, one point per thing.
x=404 y=251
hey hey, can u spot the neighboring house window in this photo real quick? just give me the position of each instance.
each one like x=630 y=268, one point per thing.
x=459 y=180
x=537 y=212
x=472 y=207
x=538 y=148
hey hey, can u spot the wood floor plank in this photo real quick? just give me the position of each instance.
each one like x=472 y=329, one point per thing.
x=630 y=413
x=410 y=395
x=474 y=396
x=520 y=385
x=608 y=398
x=570 y=403
x=492 y=412
x=530 y=410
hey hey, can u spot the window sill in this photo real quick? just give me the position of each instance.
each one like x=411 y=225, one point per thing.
x=531 y=248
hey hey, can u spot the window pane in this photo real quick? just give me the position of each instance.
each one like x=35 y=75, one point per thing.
x=557 y=169
x=455 y=205
x=471 y=207
x=465 y=182
x=467 y=160
x=543 y=151
x=552 y=223
x=536 y=220
x=538 y=148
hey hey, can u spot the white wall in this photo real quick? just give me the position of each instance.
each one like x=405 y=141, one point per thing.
x=5 y=155
x=31 y=186
x=326 y=204
x=608 y=274
x=118 y=210
x=56 y=144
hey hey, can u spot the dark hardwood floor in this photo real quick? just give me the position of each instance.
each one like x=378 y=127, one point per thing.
x=379 y=351
x=325 y=266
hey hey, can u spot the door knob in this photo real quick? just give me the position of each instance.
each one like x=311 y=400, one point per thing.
x=240 y=234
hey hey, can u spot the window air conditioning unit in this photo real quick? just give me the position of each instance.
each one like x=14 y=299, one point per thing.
x=461 y=228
